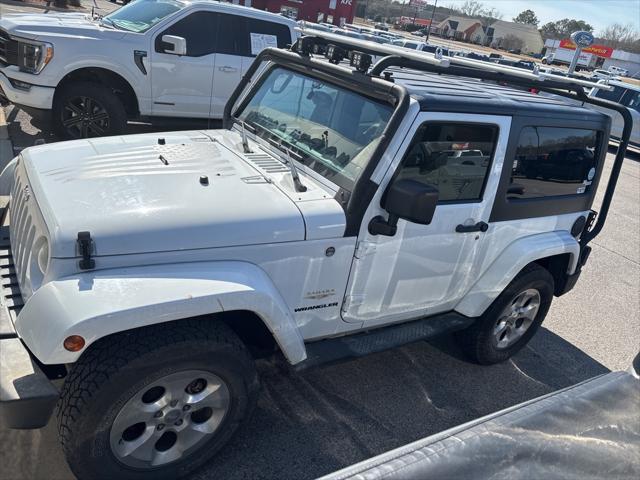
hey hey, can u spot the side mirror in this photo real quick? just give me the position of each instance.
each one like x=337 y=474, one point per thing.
x=408 y=199
x=178 y=45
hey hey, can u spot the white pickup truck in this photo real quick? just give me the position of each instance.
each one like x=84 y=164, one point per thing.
x=331 y=217
x=150 y=58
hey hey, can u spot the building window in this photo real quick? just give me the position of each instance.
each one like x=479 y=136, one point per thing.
x=553 y=162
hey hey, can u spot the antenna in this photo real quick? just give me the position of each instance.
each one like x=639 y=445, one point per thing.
x=245 y=141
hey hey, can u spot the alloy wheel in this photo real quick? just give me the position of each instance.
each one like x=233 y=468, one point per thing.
x=84 y=117
x=169 y=419
x=516 y=318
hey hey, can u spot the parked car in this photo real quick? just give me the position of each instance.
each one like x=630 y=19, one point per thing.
x=622 y=72
x=331 y=217
x=627 y=94
x=601 y=74
x=150 y=58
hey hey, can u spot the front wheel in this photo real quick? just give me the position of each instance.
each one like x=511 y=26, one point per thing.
x=512 y=319
x=86 y=110
x=156 y=403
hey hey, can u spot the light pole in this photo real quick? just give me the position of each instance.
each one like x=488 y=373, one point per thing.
x=431 y=21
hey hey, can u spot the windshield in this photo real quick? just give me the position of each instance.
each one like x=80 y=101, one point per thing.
x=141 y=15
x=332 y=130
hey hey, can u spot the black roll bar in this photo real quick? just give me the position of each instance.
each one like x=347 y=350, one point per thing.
x=423 y=61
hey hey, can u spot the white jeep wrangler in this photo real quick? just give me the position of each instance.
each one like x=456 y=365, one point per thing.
x=332 y=217
x=149 y=59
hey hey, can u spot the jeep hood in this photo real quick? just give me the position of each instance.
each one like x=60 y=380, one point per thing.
x=135 y=194
x=43 y=26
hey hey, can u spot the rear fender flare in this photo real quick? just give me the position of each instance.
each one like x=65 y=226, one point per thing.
x=510 y=262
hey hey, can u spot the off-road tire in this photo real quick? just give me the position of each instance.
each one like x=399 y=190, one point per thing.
x=112 y=370
x=102 y=96
x=477 y=340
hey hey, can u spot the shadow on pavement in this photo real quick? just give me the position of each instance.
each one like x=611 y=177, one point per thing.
x=310 y=424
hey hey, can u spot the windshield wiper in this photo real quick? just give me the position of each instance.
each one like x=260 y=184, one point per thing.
x=297 y=183
x=111 y=23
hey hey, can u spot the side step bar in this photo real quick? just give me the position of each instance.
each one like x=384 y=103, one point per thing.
x=384 y=338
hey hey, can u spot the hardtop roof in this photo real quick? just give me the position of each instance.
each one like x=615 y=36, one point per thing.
x=438 y=92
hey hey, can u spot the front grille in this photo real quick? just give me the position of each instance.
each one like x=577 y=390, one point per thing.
x=8 y=49
x=9 y=288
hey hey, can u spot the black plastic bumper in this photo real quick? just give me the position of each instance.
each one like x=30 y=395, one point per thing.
x=27 y=396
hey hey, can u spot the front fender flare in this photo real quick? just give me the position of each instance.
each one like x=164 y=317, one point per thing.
x=511 y=261
x=104 y=302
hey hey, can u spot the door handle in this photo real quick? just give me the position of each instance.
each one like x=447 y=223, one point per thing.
x=227 y=68
x=478 y=227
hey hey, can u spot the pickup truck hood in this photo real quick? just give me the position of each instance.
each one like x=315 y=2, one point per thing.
x=42 y=26
x=137 y=195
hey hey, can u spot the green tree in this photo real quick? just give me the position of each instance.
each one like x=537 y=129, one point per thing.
x=564 y=28
x=528 y=17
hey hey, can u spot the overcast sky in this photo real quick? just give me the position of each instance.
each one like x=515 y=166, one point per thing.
x=598 y=13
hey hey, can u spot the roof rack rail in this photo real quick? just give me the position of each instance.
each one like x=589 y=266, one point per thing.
x=426 y=61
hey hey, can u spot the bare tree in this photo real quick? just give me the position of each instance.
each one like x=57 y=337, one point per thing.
x=471 y=8
x=620 y=36
x=510 y=42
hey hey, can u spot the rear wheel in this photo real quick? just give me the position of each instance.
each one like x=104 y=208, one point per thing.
x=513 y=318
x=156 y=403
x=85 y=110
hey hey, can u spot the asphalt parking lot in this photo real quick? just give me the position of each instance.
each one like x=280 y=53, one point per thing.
x=313 y=423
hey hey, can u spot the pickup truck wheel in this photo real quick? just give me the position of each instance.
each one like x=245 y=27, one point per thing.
x=85 y=110
x=512 y=319
x=155 y=403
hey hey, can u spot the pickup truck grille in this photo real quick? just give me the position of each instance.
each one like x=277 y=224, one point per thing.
x=8 y=49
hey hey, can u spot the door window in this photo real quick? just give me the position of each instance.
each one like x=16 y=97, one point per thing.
x=232 y=37
x=452 y=157
x=197 y=29
x=553 y=161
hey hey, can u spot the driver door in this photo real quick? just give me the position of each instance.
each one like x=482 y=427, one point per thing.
x=427 y=269
x=181 y=86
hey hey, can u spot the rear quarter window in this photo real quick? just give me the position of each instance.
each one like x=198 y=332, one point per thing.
x=551 y=162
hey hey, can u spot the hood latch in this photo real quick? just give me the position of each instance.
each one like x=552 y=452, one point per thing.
x=85 y=248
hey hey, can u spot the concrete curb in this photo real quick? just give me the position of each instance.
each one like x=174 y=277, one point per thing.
x=6 y=147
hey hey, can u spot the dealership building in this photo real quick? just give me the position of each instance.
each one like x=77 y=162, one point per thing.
x=598 y=56
x=337 y=12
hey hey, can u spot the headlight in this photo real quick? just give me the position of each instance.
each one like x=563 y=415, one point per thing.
x=33 y=56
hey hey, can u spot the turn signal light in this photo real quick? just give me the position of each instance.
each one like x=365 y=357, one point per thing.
x=74 y=343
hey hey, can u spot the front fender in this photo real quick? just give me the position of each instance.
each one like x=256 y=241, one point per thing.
x=513 y=259
x=100 y=303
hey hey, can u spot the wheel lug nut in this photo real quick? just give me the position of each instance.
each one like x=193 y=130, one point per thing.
x=161 y=426
x=158 y=414
x=173 y=403
x=178 y=423
x=186 y=408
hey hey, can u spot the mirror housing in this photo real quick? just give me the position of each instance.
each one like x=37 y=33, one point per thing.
x=178 y=44
x=408 y=199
